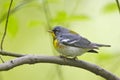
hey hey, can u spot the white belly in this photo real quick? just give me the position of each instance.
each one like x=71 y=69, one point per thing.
x=71 y=51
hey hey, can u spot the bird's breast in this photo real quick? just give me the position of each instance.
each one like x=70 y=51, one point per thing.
x=67 y=50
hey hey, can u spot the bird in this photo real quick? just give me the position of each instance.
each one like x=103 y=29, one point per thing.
x=70 y=44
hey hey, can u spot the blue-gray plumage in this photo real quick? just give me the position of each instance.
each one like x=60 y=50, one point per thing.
x=73 y=43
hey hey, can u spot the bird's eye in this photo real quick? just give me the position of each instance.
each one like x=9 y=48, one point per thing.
x=56 y=30
x=61 y=36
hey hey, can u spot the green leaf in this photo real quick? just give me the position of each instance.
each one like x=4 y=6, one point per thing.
x=34 y=23
x=60 y=17
x=12 y=26
x=79 y=17
x=109 y=8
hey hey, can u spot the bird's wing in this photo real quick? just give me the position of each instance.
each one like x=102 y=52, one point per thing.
x=76 y=41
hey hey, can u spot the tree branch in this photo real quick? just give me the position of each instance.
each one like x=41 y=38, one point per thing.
x=32 y=59
x=4 y=53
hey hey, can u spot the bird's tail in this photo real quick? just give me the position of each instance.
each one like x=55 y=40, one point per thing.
x=101 y=45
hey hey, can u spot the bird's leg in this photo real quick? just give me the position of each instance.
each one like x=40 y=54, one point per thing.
x=63 y=57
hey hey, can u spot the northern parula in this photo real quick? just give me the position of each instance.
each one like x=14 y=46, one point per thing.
x=70 y=44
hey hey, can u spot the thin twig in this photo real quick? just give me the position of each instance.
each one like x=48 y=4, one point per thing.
x=5 y=31
x=118 y=5
x=1 y=59
x=6 y=25
x=32 y=59
x=47 y=13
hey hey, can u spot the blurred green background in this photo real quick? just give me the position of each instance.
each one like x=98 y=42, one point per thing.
x=97 y=20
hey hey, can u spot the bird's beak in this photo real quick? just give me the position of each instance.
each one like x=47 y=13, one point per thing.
x=50 y=31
